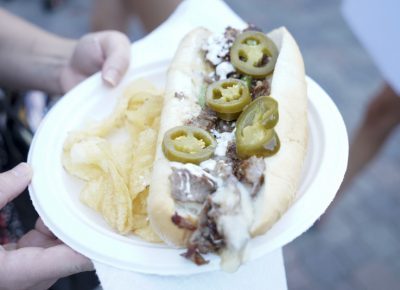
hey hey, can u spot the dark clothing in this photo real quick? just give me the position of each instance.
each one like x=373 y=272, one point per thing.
x=10 y=225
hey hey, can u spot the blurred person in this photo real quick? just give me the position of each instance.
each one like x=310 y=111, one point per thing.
x=116 y=14
x=380 y=119
x=31 y=58
x=381 y=39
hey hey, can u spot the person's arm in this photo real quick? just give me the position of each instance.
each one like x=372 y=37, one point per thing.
x=31 y=58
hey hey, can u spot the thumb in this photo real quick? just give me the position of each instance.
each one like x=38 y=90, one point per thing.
x=13 y=182
x=116 y=50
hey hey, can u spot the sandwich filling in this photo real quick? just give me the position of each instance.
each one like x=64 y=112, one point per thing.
x=218 y=157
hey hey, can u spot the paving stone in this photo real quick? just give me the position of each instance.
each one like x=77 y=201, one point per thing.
x=336 y=230
x=298 y=279
x=381 y=240
x=343 y=285
x=366 y=277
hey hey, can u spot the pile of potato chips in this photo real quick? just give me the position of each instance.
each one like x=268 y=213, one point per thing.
x=115 y=158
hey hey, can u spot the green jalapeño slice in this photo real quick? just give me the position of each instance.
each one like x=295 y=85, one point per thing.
x=228 y=98
x=254 y=54
x=188 y=144
x=254 y=129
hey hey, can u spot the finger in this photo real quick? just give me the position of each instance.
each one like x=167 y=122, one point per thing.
x=116 y=50
x=38 y=237
x=9 y=247
x=62 y=261
x=39 y=264
x=42 y=228
x=13 y=182
x=88 y=56
x=43 y=285
x=35 y=238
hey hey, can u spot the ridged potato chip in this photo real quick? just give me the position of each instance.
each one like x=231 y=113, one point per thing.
x=115 y=158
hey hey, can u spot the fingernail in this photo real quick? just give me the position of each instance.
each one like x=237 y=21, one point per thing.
x=22 y=170
x=111 y=76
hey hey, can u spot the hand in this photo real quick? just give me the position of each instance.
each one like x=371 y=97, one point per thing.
x=108 y=51
x=32 y=58
x=38 y=259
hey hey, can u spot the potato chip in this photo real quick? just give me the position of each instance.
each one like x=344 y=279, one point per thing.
x=141 y=226
x=115 y=158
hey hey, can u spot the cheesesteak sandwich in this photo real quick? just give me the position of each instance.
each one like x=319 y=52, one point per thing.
x=232 y=141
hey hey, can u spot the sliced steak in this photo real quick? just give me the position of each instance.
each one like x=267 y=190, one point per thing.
x=206 y=238
x=251 y=172
x=183 y=223
x=189 y=187
x=261 y=88
x=207 y=120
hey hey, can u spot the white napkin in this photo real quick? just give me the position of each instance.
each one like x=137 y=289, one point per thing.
x=267 y=273
x=161 y=44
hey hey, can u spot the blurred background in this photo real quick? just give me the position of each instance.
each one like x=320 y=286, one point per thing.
x=356 y=245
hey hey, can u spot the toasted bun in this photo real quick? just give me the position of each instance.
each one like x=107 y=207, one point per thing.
x=283 y=170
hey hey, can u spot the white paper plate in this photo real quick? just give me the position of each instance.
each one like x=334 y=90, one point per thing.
x=55 y=194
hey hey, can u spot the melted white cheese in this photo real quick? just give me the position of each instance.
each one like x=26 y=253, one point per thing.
x=223 y=140
x=223 y=69
x=235 y=206
x=208 y=164
x=192 y=208
x=194 y=170
x=185 y=209
x=234 y=223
